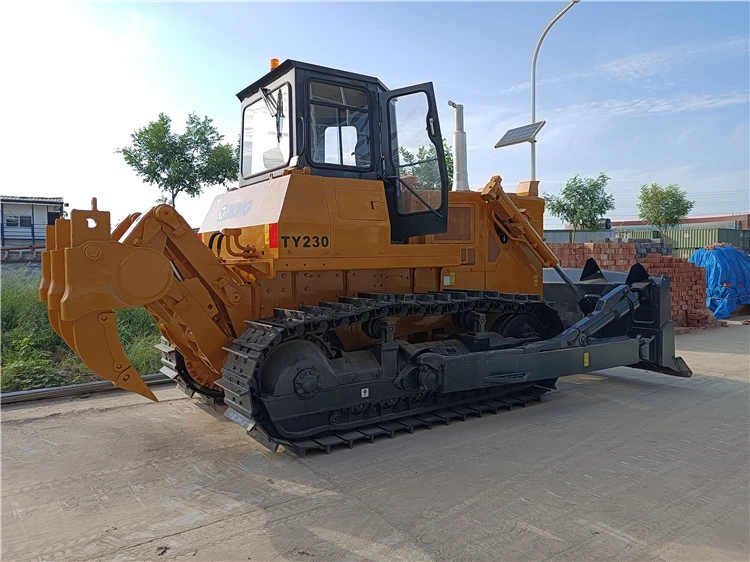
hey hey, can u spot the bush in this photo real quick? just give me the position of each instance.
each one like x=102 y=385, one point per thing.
x=23 y=315
x=29 y=368
x=34 y=356
x=143 y=355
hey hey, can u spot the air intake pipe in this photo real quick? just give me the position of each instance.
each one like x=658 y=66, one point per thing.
x=460 y=169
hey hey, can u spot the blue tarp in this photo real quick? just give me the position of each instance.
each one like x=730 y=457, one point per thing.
x=727 y=278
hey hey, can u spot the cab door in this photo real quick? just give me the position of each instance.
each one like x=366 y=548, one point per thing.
x=416 y=181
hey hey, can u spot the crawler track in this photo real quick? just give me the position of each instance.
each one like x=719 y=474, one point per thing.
x=381 y=415
x=173 y=366
x=408 y=424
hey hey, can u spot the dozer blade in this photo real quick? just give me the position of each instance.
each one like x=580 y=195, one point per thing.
x=652 y=320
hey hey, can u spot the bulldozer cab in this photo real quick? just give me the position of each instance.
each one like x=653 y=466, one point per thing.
x=347 y=125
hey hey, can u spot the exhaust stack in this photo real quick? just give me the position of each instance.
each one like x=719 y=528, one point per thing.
x=460 y=168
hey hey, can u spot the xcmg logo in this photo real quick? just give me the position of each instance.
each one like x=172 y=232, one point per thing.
x=234 y=210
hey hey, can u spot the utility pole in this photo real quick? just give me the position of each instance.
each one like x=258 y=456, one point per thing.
x=533 y=79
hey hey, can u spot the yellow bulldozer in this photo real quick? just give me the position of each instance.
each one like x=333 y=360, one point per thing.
x=343 y=291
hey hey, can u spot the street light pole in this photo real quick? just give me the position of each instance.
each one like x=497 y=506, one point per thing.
x=533 y=79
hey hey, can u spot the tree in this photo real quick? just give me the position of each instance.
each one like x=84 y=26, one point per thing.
x=181 y=163
x=663 y=207
x=424 y=165
x=448 y=152
x=582 y=202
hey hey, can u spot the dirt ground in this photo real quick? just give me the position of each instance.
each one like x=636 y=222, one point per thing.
x=620 y=464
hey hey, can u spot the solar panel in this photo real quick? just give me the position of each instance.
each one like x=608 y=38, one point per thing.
x=527 y=133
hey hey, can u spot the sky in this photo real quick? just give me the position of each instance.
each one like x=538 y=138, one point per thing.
x=643 y=91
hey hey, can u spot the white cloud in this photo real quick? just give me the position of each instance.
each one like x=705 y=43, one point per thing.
x=657 y=61
x=548 y=80
x=647 y=63
x=649 y=106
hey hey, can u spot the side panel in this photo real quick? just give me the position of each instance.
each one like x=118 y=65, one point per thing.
x=488 y=259
x=255 y=204
x=343 y=224
x=359 y=217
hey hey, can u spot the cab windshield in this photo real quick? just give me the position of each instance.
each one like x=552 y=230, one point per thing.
x=265 y=132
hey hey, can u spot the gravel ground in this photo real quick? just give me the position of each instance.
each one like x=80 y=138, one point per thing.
x=620 y=464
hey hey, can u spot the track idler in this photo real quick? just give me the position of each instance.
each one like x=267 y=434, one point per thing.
x=85 y=276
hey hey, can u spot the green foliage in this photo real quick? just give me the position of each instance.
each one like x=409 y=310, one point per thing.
x=139 y=334
x=23 y=315
x=448 y=152
x=424 y=165
x=143 y=355
x=70 y=362
x=29 y=367
x=663 y=207
x=582 y=202
x=181 y=163
x=34 y=356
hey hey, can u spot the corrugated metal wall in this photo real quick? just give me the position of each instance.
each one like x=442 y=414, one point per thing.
x=565 y=236
x=684 y=237
x=637 y=234
x=745 y=240
x=557 y=236
x=700 y=237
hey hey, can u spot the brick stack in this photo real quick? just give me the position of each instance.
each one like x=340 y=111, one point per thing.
x=410 y=204
x=688 y=282
x=609 y=255
x=688 y=290
x=644 y=247
x=721 y=245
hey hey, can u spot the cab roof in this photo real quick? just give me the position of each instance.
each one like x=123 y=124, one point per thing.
x=289 y=64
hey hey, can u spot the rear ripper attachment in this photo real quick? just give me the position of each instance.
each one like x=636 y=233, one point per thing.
x=153 y=260
x=288 y=382
x=83 y=281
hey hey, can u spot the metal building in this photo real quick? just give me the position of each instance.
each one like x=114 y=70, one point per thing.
x=22 y=220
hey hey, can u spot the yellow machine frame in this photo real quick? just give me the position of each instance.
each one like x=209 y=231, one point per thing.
x=332 y=238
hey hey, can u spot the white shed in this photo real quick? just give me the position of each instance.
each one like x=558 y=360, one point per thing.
x=22 y=219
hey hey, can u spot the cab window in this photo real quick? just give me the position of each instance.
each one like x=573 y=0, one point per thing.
x=265 y=132
x=339 y=126
x=414 y=154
